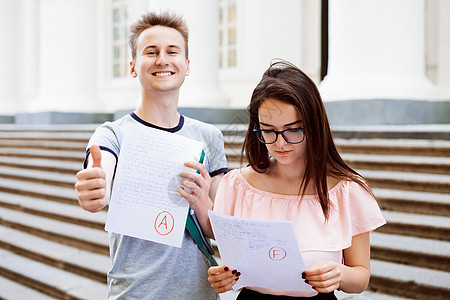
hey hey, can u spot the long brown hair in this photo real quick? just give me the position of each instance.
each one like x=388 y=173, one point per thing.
x=285 y=82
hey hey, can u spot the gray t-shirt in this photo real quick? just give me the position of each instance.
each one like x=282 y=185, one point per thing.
x=143 y=269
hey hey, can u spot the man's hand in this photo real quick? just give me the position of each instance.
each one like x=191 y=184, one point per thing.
x=91 y=183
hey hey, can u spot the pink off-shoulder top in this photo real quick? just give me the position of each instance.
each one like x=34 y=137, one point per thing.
x=353 y=211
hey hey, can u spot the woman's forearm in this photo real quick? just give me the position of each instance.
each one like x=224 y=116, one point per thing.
x=354 y=279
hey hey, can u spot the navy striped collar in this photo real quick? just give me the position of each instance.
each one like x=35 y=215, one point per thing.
x=173 y=129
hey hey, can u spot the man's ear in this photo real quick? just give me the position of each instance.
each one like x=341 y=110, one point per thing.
x=133 y=69
x=188 y=67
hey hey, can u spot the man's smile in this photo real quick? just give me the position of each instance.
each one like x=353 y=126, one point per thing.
x=163 y=74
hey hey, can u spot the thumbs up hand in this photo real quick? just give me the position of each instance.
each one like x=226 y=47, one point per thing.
x=96 y=155
x=91 y=183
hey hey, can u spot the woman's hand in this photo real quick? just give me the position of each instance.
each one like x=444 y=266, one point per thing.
x=353 y=277
x=222 y=278
x=325 y=277
x=199 y=185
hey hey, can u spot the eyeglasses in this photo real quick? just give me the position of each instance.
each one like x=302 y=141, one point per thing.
x=292 y=136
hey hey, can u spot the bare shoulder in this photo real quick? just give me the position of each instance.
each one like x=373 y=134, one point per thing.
x=250 y=175
x=332 y=181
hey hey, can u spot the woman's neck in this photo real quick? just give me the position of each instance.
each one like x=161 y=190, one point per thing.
x=290 y=173
x=279 y=179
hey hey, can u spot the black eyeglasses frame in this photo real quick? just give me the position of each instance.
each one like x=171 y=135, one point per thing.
x=256 y=131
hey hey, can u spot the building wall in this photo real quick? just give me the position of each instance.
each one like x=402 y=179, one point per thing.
x=56 y=54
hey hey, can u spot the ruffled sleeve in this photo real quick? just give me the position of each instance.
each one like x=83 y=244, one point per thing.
x=354 y=211
x=226 y=194
x=363 y=209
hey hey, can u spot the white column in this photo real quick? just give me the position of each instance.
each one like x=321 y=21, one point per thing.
x=9 y=99
x=266 y=30
x=443 y=75
x=67 y=52
x=201 y=87
x=28 y=51
x=376 y=51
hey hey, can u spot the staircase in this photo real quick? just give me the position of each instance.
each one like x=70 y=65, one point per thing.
x=51 y=248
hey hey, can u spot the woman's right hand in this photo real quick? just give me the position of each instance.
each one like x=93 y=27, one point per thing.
x=222 y=278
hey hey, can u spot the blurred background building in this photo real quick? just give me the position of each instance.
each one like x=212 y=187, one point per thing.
x=375 y=61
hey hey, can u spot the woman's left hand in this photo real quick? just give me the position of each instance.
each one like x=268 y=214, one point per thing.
x=198 y=184
x=325 y=277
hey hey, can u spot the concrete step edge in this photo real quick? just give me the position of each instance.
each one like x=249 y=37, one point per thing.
x=44 y=154
x=412 y=274
x=65 y=194
x=42 y=144
x=420 y=252
x=78 y=261
x=50 y=209
x=38 y=175
x=412 y=195
x=422 y=226
x=42 y=164
x=411 y=244
x=58 y=283
x=13 y=290
x=416 y=219
x=396 y=158
x=66 y=128
x=433 y=183
x=91 y=239
x=393 y=175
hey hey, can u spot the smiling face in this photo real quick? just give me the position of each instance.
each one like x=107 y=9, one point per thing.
x=278 y=115
x=160 y=63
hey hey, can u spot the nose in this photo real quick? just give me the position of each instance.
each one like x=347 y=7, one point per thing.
x=161 y=59
x=280 y=141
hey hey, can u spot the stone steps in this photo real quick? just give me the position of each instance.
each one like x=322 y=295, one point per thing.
x=403 y=163
x=57 y=154
x=413 y=202
x=65 y=167
x=41 y=222
x=73 y=235
x=13 y=290
x=38 y=190
x=84 y=263
x=43 y=144
x=45 y=177
x=420 y=182
x=401 y=146
x=54 y=282
x=413 y=251
x=408 y=281
x=415 y=164
x=69 y=213
x=425 y=226
x=437 y=183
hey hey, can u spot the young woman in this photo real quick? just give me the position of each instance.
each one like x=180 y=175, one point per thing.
x=295 y=173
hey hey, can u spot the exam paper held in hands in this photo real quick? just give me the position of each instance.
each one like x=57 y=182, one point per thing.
x=145 y=202
x=265 y=252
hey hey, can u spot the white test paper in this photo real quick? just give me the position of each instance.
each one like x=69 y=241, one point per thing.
x=145 y=202
x=265 y=252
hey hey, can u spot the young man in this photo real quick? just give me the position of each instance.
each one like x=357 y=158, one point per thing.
x=143 y=269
